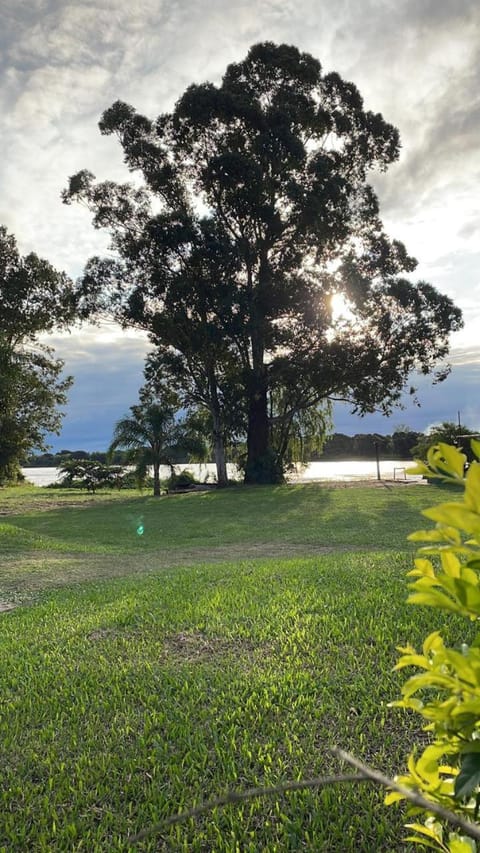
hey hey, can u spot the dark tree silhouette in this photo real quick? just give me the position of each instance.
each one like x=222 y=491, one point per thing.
x=275 y=162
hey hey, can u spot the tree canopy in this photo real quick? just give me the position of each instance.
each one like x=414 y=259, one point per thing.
x=34 y=298
x=254 y=212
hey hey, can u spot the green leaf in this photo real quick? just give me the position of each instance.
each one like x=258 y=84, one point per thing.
x=475 y=445
x=446 y=458
x=472 y=487
x=469 y=777
x=454 y=515
x=461 y=844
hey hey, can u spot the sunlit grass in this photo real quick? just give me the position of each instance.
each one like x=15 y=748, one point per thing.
x=125 y=700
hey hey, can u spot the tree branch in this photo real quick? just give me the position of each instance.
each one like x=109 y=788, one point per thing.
x=365 y=774
x=241 y=796
x=470 y=829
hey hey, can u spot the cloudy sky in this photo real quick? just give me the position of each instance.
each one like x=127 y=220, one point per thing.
x=416 y=61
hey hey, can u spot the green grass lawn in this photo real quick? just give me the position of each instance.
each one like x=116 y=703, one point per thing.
x=305 y=515
x=228 y=646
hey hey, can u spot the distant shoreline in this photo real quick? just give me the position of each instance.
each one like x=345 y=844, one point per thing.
x=327 y=458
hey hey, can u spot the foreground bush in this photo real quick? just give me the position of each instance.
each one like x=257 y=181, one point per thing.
x=445 y=690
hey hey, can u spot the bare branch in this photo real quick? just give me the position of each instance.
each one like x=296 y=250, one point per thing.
x=470 y=829
x=240 y=796
x=365 y=774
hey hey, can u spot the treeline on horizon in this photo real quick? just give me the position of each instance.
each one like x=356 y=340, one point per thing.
x=338 y=446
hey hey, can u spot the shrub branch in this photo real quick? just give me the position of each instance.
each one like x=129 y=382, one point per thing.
x=470 y=829
x=240 y=796
x=365 y=774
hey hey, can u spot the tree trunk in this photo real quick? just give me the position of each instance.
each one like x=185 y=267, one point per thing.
x=218 y=442
x=156 y=479
x=219 y=450
x=260 y=467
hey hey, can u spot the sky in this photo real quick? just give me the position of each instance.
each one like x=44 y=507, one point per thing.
x=415 y=61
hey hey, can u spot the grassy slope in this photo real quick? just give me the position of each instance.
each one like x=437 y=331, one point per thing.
x=124 y=700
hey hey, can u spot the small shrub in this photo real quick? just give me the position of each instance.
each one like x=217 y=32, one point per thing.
x=91 y=475
x=445 y=689
x=183 y=480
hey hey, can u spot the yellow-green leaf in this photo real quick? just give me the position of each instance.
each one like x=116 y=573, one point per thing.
x=435 y=599
x=447 y=458
x=423 y=567
x=450 y=564
x=419 y=468
x=433 y=642
x=472 y=487
x=455 y=515
x=475 y=445
x=393 y=797
x=439 y=534
x=434 y=831
x=461 y=844
x=417 y=839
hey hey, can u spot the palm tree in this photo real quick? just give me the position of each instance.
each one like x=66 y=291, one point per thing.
x=153 y=437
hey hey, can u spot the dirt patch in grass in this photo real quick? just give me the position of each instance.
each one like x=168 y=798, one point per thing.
x=195 y=646
x=102 y=634
x=5 y=606
x=23 y=507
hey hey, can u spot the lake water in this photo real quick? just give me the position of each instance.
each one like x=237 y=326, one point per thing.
x=353 y=469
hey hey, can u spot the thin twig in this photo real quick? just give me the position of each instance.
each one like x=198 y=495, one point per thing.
x=366 y=774
x=240 y=796
x=470 y=829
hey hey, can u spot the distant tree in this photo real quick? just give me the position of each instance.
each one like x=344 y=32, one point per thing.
x=31 y=387
x=447 y=432
x=275 y=161
x=365 y=444
x=41 y=460
x=402 y=440
x=34 y=298
x=152 y=436
x=338 y=446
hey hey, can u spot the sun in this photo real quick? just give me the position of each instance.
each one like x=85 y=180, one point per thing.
x=340 y=308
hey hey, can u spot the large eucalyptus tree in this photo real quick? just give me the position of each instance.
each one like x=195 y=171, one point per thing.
x=276 y=162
